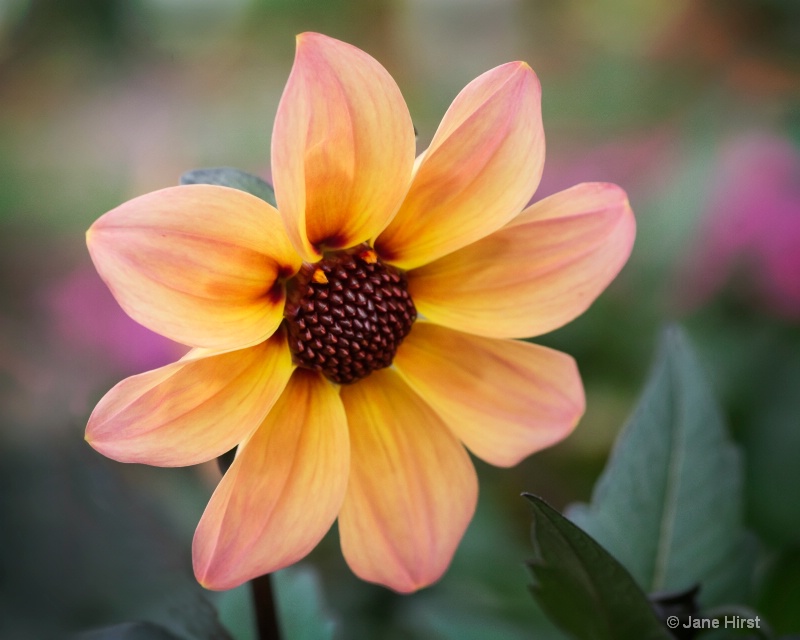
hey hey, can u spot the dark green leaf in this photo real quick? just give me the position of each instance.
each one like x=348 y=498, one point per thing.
x=234 y=178
x=779 y=589
x=772 y=442
x=104 y=550
x=583 y=589
x=669 y=503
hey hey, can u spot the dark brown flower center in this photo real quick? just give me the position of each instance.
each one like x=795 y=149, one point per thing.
x=347 y=314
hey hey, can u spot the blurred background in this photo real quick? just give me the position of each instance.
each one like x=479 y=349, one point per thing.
x=692 y=106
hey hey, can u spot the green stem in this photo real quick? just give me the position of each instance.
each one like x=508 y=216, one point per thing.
x=261 y=588
x=264 y=606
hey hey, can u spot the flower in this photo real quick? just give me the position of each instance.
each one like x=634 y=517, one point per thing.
x=749 y=237
x=307 y=350
x=83 y=317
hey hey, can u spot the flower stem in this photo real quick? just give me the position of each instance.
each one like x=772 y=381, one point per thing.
x=261 y=588
x=264 y=605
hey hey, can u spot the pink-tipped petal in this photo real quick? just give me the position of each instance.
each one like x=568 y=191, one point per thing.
x=282 y=492
x=503 y=399
x=481 y=169
x=412 y=488
x=342 y=147
x=537 y=273
x=193 y=410
x=199 y=264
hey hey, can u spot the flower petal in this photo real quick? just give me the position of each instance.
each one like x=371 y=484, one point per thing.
x=481 y=169
x=342 y=147
x=199 y=264
x=193 y=410
x=503 y=399
x=412 y=488
x=282 y=492
x=537 y=273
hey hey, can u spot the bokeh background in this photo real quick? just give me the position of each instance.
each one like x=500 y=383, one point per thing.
x=693 y=106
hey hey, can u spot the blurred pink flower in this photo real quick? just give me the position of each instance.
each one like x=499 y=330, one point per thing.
x=86 y=318
x=750 y=237
x=642 y=161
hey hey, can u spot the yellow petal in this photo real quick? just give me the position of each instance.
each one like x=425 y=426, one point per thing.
x=503 y=399
x=199 y=264
x=481 y=169
x=412 y=488
x=283 y=491
x=342 y=147
x=537 y=273
x=193 y=410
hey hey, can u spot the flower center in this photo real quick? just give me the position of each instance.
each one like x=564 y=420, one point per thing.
x=347 y=314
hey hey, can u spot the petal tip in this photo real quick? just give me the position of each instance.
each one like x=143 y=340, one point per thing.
x=521 y=66
x=306 y=36
x=93 y=435
x=312 y=38
x=413 y=586
x=626 y=218
x=521 y=69
x=403 y=582
x=202 y=567
x=205 y=581
x=94 y=234
x=611 y=188
x=210 y=582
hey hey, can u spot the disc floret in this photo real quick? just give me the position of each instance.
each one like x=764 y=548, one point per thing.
x=347 y=314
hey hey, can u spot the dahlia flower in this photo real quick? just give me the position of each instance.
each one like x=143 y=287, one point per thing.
x=356 y=341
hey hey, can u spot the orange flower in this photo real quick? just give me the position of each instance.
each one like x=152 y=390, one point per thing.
x=308 y=352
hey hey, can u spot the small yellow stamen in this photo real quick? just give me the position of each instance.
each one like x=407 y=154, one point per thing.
x=369 y=256
x=319 y=277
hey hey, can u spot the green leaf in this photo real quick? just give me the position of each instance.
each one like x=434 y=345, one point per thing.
x=582 y=588
x=301 y=605
x=234 y=178
x=669 y=503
